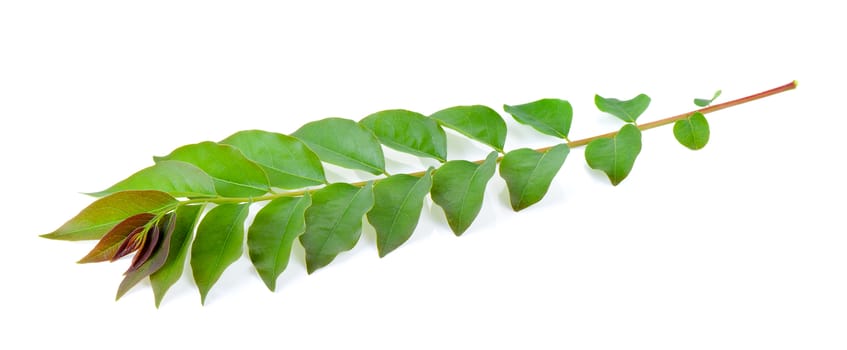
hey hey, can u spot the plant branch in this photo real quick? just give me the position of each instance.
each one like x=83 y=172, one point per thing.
x=572 y=144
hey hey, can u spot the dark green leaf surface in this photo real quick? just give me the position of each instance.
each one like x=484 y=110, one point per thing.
x=155 y=261
x=289 y=163
x=458 y=187
x=334 y=222
x=398 y=201
x=99 y=217
x=408 y=132
x=627 y=111
x=234 y=174
x=272 y=233
x=478 y=122
x=179 y=179
x=549 y=116
x=692 y=132
x=702 y=102
x=107 y=247
x=170 y=272
x=345 y=143
x=615 y=156
x=528 y=173
x=218 y=244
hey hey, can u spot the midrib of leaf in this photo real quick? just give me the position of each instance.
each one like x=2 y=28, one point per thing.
x=531 y=173
x=335 y=225
x=241 y=184
x=295 y=175
x=466 y=119
x=348 y=158
x=465 y=197
x=278 y=250
x=219 y=256
x=615 y=157
x=402 y=206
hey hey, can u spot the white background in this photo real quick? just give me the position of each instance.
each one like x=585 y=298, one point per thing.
x=739 y=246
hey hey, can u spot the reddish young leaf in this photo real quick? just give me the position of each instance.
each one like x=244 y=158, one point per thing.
x=148 y=244
x=109 y=245
x=160 y=248
x=131 y=244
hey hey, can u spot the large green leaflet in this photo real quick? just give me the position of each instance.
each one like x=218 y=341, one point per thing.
x=287 y=161
x=409 y=132
x=272 y=234
x=692 y=132
x=234 y=174
x=398 y=201
x=334 y=222
x=615 y=156
x=98 y=218
x=218 y=244
x=179 y=179
x=528 y=173
x=549 y=116
x=478 y=122
x=627 y=111
x=458 y=187
x=345 y=143
x=187 y=217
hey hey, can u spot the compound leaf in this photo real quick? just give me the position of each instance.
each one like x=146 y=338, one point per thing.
x=187 y=217
x=615 y=156
x=458 y=187
x=345 y=143
x=398 y=201
x=334 y=222
x=528 y=173
x=692 y=132
x=272 y=234
x=627 y=111
x=288 y=162
x=218 y=244
x=179 y=179
x=233 y=173
x=101 y=216
x=408 y=132
x=478 y=122
x=549 y=116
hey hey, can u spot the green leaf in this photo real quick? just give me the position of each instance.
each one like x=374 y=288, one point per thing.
x=334 y=222
x=99 y=217
x=345 y=143
x=458 y=187
x=398 y=201
x=187 y=217
x=549 y=116
x=702 y=102
x=288 y=162
x=528 y=173
x=179 y=179
x=615 y=156
x=627 y=111
x=478 y=122
x=155 y=261
x=273 y=232
x=107 y=247
x=218 y=244
x=408 y=132
x=692 y=132
x=234 y=174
